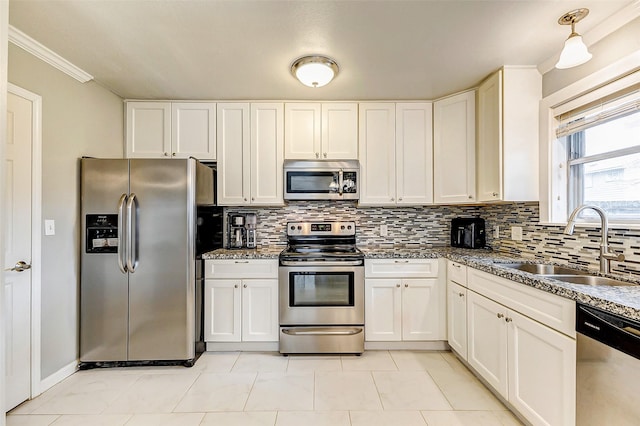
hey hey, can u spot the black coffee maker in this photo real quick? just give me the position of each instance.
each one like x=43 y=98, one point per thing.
x=468 y=232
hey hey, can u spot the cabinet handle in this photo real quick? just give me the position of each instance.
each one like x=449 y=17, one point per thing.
x=470 y=197
x=166 y=154
x=500 y=315
x=495 y=194
x=317 y=155
x=245 y=199
x=235 y=286
x=173 y=154
x=245 y=286
x=508 y=319
x=399 y=199
x=398 y=285
x=461 y=294
x=391 y=198
x=253 y=199
x=241 y=261
x=455 y=265
x=400 y=261
x=406 y=286
x=325 y=155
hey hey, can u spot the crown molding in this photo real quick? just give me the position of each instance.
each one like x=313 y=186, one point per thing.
x=597 y=33
x=40 y=51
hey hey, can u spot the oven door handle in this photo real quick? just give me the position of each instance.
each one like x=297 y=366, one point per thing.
x=321 y=263
x=323 y=331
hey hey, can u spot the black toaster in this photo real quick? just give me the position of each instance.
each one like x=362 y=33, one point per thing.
x=468 y=232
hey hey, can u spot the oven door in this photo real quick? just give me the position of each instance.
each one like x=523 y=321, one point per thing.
x=321 y=295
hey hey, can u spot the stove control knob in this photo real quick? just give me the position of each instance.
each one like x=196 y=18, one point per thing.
x=349 y=227
x=299 y=228
x=342 y=227
x=293 y=227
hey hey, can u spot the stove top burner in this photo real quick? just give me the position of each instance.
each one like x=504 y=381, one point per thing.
x=321 y=241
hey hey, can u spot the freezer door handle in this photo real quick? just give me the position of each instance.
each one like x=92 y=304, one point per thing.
x=122 y=252
x=132 y=233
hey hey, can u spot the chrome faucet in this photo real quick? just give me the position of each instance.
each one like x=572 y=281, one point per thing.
x=606 y=255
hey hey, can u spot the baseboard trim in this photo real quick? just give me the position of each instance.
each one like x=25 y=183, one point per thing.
x=243 y=346
x=57 y=377
x=407 y=346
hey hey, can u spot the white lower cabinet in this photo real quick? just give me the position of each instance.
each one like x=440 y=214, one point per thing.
x=529 y=363
x=403 y=308
x=457 y=318
x=240 y=306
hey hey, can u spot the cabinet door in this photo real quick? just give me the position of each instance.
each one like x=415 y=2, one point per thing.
x=233 y=154
x=454 y=137
x=222 y=313
x=421 y=311
x=148 y=129
x=193 y=130
x=487 y=344
x=302 y=131
x=377 y=154
x=267 y=146
x=489 y=154
x=542 y=372
x=383 y=310
x=457 y=318
x=340 y=131
x=414 y=153
x=260 y=311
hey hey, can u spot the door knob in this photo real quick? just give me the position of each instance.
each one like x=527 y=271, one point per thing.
x=20 y=266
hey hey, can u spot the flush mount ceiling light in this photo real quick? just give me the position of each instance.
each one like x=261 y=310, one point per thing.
x=315 y=70
x=575 y=51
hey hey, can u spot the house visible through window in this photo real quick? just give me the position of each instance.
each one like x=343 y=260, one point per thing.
x=603 y=156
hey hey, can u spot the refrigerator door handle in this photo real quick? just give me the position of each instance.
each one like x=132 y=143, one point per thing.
x=121 y=234
x=132 y=233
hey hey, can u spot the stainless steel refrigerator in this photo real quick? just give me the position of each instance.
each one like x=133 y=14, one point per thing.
x=141 y=277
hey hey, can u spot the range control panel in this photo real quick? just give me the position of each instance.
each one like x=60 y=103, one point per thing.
x=342 y=229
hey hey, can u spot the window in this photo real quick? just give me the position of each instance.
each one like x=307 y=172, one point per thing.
x=602 y=143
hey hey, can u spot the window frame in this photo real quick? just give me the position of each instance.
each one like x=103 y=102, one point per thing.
x=554 y=170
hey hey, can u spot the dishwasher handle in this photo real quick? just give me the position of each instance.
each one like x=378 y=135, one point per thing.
x=612 y=330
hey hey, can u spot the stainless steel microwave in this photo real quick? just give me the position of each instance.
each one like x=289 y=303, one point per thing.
x=321 y=180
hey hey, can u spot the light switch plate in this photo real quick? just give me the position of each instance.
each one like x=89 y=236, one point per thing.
x=496 y=231
x=49 y=227
x=516 y=233
x=384 y=231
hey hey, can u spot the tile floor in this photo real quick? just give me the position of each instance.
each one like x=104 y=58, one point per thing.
x=377 y=388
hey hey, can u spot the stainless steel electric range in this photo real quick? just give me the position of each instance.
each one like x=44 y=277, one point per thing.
x=321 y=282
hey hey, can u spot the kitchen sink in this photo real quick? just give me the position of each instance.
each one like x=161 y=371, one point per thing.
x=590 y=280
x=542 y=269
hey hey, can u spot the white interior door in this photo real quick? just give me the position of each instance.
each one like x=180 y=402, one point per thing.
x=17 y=243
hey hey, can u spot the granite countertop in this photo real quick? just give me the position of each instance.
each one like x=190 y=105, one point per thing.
x=623 y=301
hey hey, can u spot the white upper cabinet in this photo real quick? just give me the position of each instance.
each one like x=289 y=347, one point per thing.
x=250 y=144
x=327 y=131
x=171 y=129
x=396 y=153
x=377 y=153
x=507 y=153
x=454 y=153
x=414 y=153
x=193 y=130
x=148 y=129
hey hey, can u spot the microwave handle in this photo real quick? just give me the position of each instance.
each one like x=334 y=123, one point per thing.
x=340 y=182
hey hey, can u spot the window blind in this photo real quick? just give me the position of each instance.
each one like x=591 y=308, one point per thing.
x=612 y=107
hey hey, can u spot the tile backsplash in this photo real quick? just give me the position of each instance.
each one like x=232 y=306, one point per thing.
x=430 y=226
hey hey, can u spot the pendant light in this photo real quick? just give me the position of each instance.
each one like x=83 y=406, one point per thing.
x=575 y=51
x=315 y=70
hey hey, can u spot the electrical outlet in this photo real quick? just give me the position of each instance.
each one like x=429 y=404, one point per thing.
x=49 y=227
x=384 y=231
x=516 y=233
x=496 y=231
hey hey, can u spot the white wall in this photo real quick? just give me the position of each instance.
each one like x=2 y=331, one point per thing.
x=78 y=119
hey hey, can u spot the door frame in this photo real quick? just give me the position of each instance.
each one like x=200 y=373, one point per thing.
x=36 y=232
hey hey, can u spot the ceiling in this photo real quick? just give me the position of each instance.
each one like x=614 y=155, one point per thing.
x=243 y=49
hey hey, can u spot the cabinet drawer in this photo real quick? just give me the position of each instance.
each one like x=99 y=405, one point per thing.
x=400 y=268
x=457 y=273
x=551 y=310
x=241 y=268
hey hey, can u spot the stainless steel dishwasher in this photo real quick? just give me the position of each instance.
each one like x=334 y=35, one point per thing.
x=608 y=368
